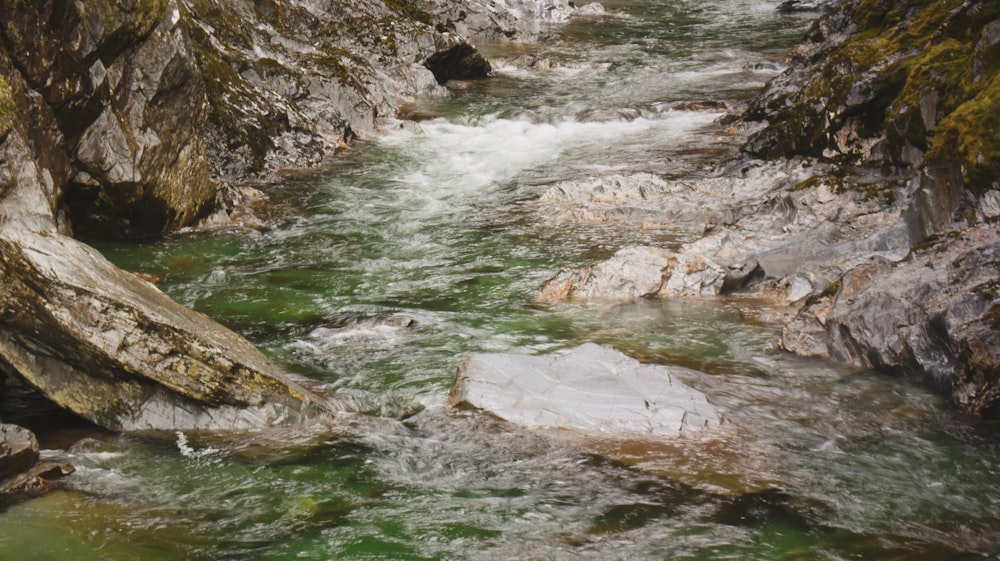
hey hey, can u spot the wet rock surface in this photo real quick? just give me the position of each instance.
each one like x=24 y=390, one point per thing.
x=113 y=349
x=591 y=390
x=119 y=95
x=783 y=230
x=21 y=474
x=933 y=316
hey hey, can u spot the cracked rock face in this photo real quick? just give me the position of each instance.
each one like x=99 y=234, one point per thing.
x=116 y=351
x=933 y=316
x=592 y=390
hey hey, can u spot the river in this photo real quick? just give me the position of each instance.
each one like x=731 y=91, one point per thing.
x=377 y=276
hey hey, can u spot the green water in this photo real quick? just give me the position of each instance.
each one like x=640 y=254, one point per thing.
x=378 y=276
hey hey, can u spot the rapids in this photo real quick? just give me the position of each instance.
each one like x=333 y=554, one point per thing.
x=376 y=277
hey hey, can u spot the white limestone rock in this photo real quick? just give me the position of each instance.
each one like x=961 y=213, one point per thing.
x=593 y=390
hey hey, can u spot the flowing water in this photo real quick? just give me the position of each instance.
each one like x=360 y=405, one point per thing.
x=376 y=277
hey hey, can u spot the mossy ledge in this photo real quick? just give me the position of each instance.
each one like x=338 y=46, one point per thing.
x=903 y=83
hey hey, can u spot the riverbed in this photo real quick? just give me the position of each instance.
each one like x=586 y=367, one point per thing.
x=376 y=276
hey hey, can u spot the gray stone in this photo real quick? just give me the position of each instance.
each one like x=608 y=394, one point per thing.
x=593 y=390
x=752 y=231
x=18 y=450
x=636 y=272
x=932 y=317
x=113 y=349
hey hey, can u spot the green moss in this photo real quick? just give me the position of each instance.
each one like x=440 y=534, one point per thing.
x=8 y=108
x=830 y=291
x=901 y=52
x=834 y=179
x=410 y=11
x=969 y=139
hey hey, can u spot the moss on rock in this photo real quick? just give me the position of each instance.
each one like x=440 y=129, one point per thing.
x=8 y=109
x=968 y=140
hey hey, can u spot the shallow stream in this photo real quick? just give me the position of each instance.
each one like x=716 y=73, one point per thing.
x=377 y=276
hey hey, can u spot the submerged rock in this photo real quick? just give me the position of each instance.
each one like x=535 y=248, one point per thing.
x=591 y=390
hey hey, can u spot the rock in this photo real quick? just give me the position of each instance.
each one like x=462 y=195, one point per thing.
x=591 y=390
x=793 y=6
x=127 y=102
x=461 y=62
x=530 y=61
x=769 y=228
x=708 y=106
x=506 y=20
x=637 y=272
x=289 y=85
x=21 y=475
x=37 y=480
x=889 y=83
x=113 y=349
x=142 y=165
x=33 y=163
x=18 y=450
x=591 y=9
x=933 y=317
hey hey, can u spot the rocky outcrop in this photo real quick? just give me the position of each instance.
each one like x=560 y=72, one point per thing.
x=592 y=390
x=113 y=349
x=895 y=82
x=934 y=317
x=116 y=92
x=912 y=86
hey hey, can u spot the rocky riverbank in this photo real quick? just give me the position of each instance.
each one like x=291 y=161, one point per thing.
x=865 y=199
x=132 y=120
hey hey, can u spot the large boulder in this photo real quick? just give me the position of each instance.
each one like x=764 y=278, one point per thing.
x=592 y=390
x=113 y=349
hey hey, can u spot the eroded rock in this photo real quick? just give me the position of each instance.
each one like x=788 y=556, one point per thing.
x=590 y=390
x=637 y=272
x=933 y=316
x=113 y=349
x=21 y=475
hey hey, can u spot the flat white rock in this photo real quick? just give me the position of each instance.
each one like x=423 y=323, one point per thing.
x=592 y=389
